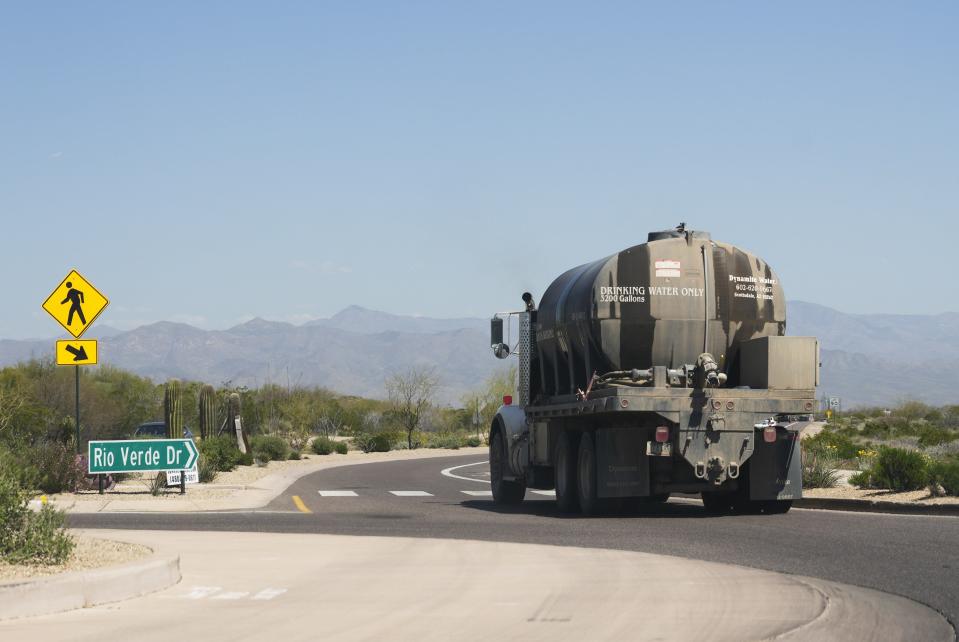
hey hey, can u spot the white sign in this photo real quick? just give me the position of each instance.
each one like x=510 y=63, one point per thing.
x=173 y=477
x=834 y=402
x=668 y=269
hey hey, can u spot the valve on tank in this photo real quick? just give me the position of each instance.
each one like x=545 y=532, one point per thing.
x=707 y=372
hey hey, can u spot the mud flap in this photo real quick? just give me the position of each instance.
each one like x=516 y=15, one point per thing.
x=622 y=466
x=775 y=469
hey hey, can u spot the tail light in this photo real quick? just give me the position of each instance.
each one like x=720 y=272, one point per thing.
x=507 y=400
x=662 y=434
x=769 y=434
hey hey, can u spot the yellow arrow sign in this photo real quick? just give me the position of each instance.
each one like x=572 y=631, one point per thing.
x=75 y=304
x=77 y=353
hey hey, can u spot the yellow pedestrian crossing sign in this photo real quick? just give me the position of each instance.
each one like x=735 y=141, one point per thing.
x=81 y=352
x=75 y=304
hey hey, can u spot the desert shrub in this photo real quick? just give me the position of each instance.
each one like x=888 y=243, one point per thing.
x=246 y=459
x=417 y=439
x=28 y=537
x=819 y=468
x=18 y=466
x=880 y=428
x=909 y=410
x=899 y=469
x=474 y=441
x=838 y=445
x=273 y=448
x=945 y=473
x=221 y=453
x=379 y=442
x=340 y=447
x=862 y=479
x=294 y=455
x=58 y=467
x=261 y=457
x=449 y=440
x=323 y=446
x=935 y=436
x=158 y=483
x=205 y=471
x=950 y=416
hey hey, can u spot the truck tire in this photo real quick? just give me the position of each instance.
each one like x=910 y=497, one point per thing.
x=776 y=506
x=564 y=472
x=589 y=503
x=505 y=492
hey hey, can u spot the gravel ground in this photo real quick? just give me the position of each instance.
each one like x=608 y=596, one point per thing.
x=90 y=553
x=848 y=492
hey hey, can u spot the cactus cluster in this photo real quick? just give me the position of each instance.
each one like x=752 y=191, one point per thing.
x=172 y=410
x=208 y=425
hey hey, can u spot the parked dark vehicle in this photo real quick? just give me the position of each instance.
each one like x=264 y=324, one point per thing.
x=156 y=430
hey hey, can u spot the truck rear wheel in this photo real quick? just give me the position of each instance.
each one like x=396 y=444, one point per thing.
x=564 y=472
x=504 y=491
x=589 y=503
x=776 y=506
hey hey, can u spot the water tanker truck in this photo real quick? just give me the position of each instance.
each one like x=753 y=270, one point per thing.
x=661 y=369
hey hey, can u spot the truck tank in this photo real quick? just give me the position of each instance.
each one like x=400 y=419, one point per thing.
x=661 y=303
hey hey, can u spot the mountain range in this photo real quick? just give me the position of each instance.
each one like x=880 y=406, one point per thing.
x=867 y=359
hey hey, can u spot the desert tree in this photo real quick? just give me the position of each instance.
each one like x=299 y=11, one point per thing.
x=411 y=394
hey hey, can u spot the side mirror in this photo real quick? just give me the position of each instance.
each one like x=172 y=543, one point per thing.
x=500 y=349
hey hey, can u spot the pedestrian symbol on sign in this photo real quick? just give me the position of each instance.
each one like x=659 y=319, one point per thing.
x=75 y=299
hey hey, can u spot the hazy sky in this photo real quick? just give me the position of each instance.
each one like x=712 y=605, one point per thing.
x=211 y=162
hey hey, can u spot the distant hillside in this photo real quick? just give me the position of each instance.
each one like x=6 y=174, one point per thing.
x=867 y=359
x=902 y=338
x=357 y=319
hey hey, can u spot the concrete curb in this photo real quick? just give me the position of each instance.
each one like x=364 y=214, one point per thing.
x=876 y=506
x=83 y=589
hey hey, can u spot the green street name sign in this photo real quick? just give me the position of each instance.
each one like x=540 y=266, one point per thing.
x=141 y=455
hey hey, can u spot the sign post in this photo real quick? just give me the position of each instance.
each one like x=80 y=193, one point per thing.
x=70 y=304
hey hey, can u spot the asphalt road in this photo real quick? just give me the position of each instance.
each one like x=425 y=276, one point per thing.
x=913 y=556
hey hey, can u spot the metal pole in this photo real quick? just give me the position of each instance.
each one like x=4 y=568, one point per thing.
x=183 y=482
x=77 y=378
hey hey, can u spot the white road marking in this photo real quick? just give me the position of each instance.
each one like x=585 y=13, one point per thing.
x=337 y=493
x=200 y=592
x=268 y=593
x=217 y=593
x=411 y=493
x=484 y=493
x=449 y=472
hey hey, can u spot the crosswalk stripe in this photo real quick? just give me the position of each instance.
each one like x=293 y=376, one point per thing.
x=337 y=493
x=548 y=493
x=478 y=493
x=411 y=493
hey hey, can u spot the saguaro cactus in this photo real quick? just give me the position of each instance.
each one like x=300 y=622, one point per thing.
x=207 y=412
x=233 y=414
x=234 y=407
x=172 y=410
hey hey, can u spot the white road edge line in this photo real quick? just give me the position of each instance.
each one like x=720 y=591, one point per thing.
x=449 y=472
